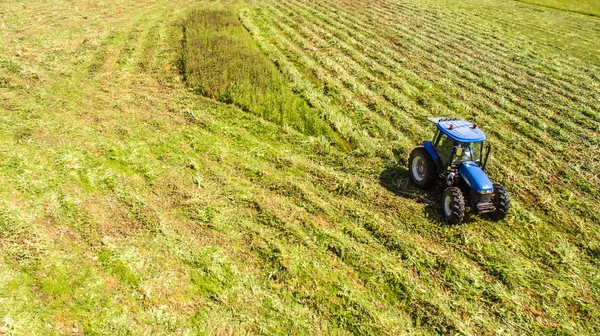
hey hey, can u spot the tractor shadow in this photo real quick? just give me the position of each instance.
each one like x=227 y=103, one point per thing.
x=395 y=178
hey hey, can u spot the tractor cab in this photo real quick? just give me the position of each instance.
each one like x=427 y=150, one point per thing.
x=456 y=141
x=457 y=155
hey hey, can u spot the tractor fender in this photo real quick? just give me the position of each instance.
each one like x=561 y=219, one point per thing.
x=476 y=177
x=428 y=145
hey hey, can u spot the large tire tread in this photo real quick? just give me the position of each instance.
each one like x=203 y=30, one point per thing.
x=457 y=205
x=501 y=200
x=430 y=169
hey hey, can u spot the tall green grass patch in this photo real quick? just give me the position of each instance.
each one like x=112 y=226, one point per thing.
x=220 y=60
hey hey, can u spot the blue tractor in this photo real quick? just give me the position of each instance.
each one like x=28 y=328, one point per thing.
x=457 y=156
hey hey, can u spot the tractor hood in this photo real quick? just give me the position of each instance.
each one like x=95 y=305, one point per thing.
x=476 y=177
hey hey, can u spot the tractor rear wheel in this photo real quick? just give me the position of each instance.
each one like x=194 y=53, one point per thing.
x=501 y=200
x=453 y=205
x=421 y=168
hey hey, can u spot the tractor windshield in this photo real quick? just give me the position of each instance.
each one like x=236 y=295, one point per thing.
x=465 y=151
x=468 y=152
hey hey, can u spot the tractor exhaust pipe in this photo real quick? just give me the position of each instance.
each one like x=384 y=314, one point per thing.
x=487 y=155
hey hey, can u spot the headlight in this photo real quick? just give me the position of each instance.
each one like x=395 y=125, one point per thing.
x=485 y=191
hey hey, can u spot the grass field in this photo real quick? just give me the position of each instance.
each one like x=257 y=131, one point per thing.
x=590 y=7
x=132 y=203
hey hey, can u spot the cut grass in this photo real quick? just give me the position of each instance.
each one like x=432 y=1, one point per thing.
x=131 y=205
x=589 y=7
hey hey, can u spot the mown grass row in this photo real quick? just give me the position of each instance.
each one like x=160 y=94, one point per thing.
x=518 y=122
x=131 y=205
x=343 y=51
x=372 y=36
x=589 y=7
x=508 y=107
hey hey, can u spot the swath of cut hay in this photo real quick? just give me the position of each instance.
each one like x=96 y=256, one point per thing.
x=170 y=167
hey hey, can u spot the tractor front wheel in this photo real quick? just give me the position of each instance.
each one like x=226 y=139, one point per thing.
x=501 y=201
x=421 y=168
x=453 y=205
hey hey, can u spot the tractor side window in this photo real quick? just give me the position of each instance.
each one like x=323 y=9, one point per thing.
x=444 y=149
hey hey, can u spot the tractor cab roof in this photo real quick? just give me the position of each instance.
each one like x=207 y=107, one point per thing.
x=459 y=130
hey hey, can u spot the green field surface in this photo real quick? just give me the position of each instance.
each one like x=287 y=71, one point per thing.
x=590 y=7
x=205 y=167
